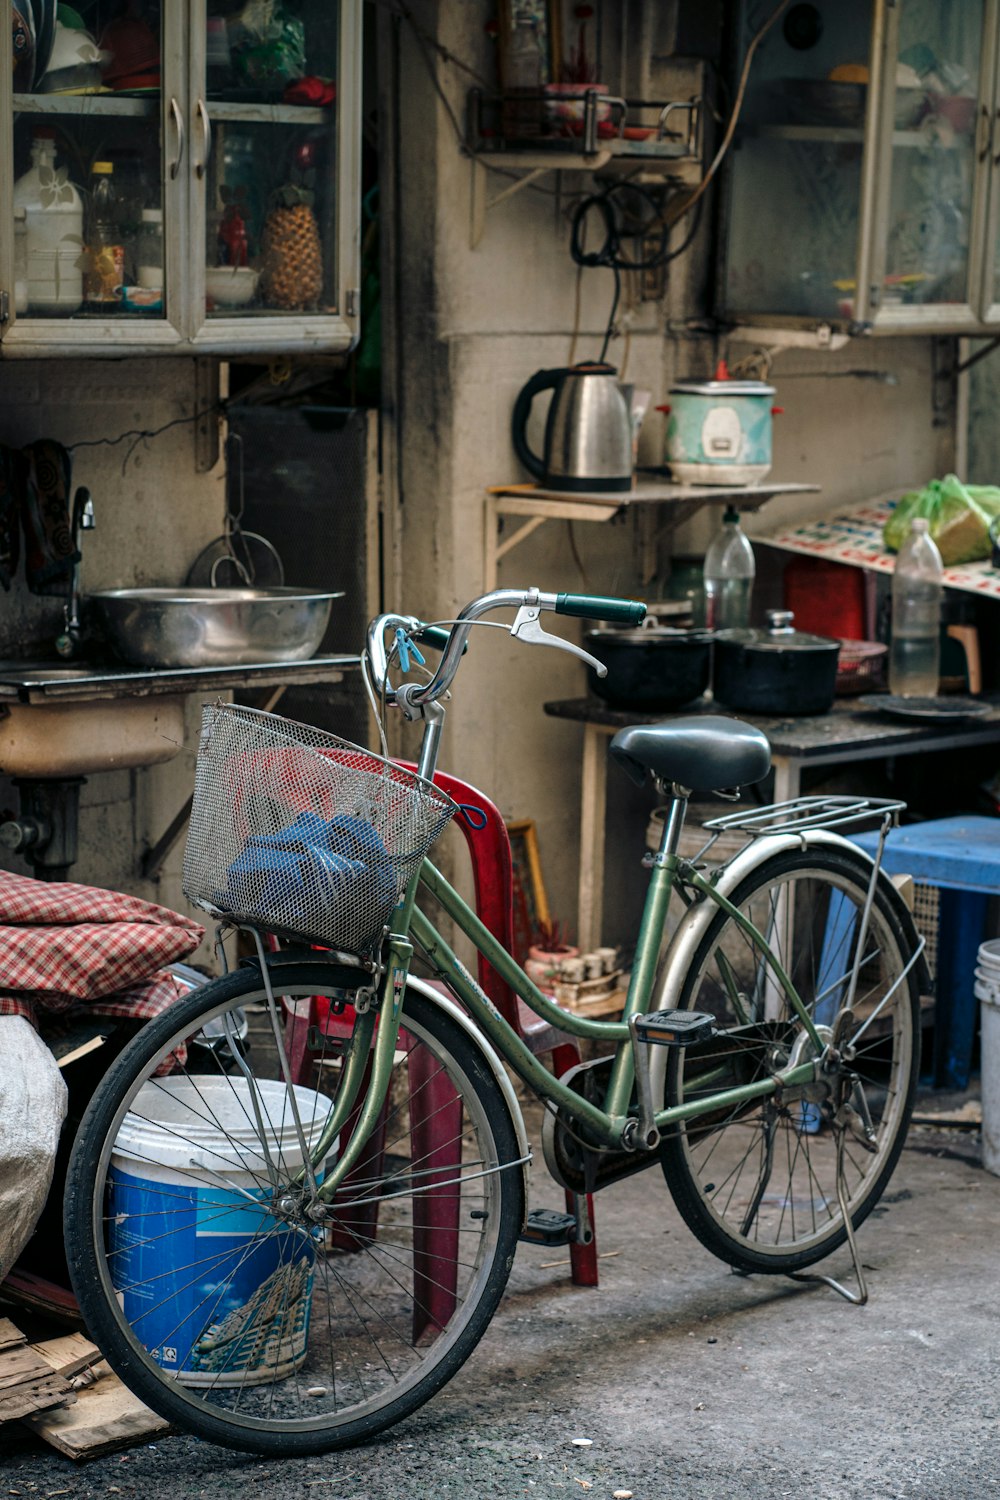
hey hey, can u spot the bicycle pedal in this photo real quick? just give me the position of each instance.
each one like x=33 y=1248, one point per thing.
x=546 y=1226
x=674 y=1028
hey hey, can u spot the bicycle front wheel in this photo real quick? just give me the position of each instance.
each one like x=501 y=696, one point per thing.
x=199 y=1270
x=757 y=1183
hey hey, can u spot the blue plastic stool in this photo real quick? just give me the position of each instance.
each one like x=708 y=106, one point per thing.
x=961 y=856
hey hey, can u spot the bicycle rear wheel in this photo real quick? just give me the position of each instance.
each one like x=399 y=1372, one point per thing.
x=197 y=1267
x=757 y=1183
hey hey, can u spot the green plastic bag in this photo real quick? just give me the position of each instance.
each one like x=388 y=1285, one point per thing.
x=958 y=519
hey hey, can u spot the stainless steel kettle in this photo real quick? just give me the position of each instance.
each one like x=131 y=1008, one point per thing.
x=588 y=435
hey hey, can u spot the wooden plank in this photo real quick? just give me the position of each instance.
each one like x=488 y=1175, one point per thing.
x=105 y=1418
x=21 y=1364
x=10 y=1334
x=34 y=1397
x=68 y=1354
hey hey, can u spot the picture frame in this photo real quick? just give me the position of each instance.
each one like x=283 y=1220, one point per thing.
x=531 y=905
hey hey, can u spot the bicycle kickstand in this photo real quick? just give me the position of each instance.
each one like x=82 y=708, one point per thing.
x=860 y=1297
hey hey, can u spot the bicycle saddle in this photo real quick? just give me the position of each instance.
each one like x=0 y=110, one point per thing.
x=703 y=752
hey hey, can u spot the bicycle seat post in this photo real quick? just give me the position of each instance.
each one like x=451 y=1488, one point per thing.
x=672 y=824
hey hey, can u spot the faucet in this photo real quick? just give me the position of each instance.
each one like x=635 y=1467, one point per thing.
x=69 y=643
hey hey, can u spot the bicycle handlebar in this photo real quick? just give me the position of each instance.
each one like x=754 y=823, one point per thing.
x=601 y=607
x=454 y=641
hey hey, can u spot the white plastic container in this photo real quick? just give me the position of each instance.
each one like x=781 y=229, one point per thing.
x=989 y=1041
x=729 y=574
x=53 y=212
x=915 y=648
x=185 y=1159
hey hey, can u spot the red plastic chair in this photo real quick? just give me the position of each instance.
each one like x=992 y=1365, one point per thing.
x=432 y=1122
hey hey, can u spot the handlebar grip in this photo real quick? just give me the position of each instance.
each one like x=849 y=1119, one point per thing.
x=599 y=607
x=437 y=636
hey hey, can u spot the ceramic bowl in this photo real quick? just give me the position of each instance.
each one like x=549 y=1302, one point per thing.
x=230 y=286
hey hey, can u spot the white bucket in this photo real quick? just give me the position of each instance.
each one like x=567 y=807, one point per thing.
x=212 y=1285
x=987 y=989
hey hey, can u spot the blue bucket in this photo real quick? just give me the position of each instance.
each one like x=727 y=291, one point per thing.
x=216 y=1289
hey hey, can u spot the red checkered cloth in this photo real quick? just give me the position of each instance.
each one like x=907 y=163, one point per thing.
x=63 y=945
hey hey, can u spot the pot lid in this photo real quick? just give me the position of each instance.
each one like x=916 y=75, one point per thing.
x=644 y=634
x=719 y=388
x=779 y=635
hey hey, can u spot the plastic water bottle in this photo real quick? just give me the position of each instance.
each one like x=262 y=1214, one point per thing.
x=53 y=238
x=729 y=574
x=915 y=651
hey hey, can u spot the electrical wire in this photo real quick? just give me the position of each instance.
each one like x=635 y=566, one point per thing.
x=719 y=156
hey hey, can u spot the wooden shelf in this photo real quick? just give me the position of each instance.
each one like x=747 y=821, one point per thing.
x=679 y=501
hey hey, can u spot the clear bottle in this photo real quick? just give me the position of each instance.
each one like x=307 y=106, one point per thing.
x=915 y=649
x=53 y=220
x=21 y=298
x=729 y=573
x=149 y=250
x=105 y=273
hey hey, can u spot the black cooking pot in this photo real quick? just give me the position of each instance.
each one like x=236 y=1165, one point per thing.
x=654 y=667
x=778 y=670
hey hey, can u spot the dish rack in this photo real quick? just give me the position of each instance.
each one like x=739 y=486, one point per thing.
x=860 y=667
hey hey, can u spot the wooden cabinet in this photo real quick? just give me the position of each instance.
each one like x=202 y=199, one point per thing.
x=233 y=132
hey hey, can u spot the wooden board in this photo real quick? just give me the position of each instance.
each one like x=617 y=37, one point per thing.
x=68 y=1354
x=28 y=1382
x=105 y=1418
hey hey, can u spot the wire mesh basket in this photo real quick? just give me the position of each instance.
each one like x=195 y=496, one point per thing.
x=300 y=832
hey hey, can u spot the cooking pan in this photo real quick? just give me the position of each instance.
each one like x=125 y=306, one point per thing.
x=778 y=670
x=654 y=667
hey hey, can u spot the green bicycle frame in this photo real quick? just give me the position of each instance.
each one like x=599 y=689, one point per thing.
x=604 y=1125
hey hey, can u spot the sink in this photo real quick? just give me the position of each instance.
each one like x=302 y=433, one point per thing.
x=51 y=739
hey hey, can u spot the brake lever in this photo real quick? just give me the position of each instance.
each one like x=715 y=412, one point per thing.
x=526 y=627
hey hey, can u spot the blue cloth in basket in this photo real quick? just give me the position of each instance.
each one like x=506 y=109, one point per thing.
x=298 y=877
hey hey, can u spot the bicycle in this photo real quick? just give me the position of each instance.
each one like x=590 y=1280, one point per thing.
x=291 y=1266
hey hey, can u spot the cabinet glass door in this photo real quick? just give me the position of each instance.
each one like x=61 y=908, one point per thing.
x=90 y=191
x=274 y=160
x=929 y=224
x=794 y=180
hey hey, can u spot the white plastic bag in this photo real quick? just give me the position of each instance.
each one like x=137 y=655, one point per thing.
x=33 y=1102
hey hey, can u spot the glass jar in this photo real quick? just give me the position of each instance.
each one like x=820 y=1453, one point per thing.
x=20 y=260
x=149 y=252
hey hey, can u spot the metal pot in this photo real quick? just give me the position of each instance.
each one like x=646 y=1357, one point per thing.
x=655 y=667
x=719 y=431
x=778 y=670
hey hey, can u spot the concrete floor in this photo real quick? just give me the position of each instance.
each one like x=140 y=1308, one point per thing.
x=690 y=1382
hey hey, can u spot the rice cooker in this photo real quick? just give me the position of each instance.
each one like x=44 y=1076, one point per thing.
x=719 y=431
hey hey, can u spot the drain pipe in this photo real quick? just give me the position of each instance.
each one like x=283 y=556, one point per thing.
x=46 y=832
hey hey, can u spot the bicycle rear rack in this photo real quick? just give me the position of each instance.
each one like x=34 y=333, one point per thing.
x=804 y=814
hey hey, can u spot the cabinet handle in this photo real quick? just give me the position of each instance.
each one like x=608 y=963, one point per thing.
x=983 y=132
x=178 y=119
x=206 y=137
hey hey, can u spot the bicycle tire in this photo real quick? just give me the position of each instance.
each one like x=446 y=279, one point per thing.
x=757 y=1184
x=378 y=1340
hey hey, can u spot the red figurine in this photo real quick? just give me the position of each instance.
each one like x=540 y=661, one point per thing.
x=234 y=247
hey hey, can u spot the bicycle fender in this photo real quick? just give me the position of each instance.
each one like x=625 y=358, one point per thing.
x=693 y=926
x=457 y=1014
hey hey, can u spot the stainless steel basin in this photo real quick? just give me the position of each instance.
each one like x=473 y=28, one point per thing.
x=206 y=627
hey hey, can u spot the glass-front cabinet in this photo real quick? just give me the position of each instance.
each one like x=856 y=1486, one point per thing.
x=180 y=176
x=864 y=181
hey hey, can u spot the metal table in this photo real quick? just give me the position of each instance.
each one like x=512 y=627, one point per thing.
x=849 y=733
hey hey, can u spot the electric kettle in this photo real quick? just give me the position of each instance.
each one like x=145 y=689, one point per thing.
x=588 y=435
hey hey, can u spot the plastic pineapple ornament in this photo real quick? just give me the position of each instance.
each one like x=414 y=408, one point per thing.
x=292 y=272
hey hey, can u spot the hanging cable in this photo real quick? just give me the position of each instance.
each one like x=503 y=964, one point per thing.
x=617 y=209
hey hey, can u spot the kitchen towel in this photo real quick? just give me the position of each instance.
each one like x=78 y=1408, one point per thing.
x=11 y=491
x=48 y=541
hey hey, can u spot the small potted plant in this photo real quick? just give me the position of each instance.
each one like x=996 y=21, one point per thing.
x=548 y=952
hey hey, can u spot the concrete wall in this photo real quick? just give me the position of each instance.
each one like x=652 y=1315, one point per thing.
x=471 y=327
x=154 y=513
